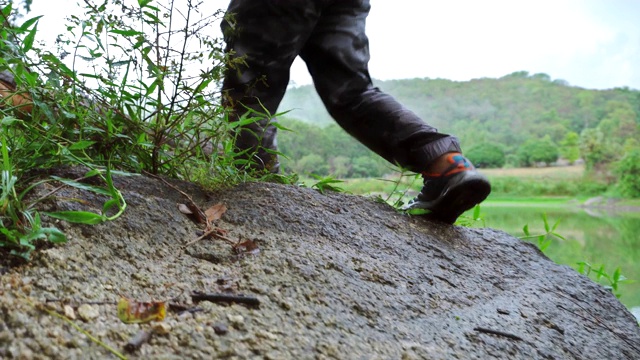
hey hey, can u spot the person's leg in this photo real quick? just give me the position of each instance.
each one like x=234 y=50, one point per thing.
x=267 y=35
x=337 y=55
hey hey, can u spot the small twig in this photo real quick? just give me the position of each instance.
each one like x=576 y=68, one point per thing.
x=169 y=185
x=226 y=298
x=496 y=332
x=208 y=233
x=141 y=338
x=197 y=212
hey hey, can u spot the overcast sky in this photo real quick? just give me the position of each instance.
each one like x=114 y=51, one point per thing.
x=589 y=43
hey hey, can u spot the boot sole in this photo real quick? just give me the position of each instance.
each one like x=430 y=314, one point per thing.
x=469 y=191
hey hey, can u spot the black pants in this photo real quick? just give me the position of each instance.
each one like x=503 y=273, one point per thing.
x=329 y=35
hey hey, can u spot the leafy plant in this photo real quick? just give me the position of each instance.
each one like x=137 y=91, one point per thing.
x=598 y=272
x=476 y=217
x=19 y=218
x=124 y=92
x=326 y=184
x=20 y=224
x=116 y=200
x=544 y=240
x=628 y=172
x=400 y=190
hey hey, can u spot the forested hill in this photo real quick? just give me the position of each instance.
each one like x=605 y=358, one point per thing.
x=507 y=111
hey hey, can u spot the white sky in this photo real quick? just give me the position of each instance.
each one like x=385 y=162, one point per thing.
x=589 y=43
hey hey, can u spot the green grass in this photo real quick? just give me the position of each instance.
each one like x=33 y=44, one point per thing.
x=123 y=117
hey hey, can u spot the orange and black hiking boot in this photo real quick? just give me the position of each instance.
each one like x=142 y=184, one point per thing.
x=450 y=193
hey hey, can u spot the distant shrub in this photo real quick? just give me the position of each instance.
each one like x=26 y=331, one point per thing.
x=486 y=155
x=628 y=172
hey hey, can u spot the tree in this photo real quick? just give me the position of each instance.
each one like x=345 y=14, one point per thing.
x=339 y=143
x=552 y=124
x=312 y=164
x=486 y=155
x=538 y=150
x=619 y=124
x=518 y=74
x=366 y=166
x=593 y=148
x=628 y=173
x=541 y=76
x=570 y=147
x=340 y=166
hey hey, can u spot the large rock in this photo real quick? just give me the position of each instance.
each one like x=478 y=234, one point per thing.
x=338 y=276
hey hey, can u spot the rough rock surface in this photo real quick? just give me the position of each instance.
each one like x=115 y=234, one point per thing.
x=337 y=276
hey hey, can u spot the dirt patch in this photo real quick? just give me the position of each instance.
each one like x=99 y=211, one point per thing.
x=337 y=276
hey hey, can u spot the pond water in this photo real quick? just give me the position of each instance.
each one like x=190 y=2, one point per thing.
x=594 y=236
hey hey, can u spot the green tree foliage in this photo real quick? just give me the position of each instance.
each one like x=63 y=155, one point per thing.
x=628 y=172
x=326 y=150
x=301 y=139
x=340 y=166
x=630 y=145
x=312 y=164
x=535 y=151
x=486 y=155
x=570 y=147
x=619 y=124
x=369 y=166
x=593 y=148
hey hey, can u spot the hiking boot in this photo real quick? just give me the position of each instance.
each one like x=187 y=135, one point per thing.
x=452 y=192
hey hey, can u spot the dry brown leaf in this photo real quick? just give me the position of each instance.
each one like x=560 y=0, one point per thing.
x=246 y=247
x=215 y=212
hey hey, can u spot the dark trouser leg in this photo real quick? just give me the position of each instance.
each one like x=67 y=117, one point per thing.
x=267 y=35
x=337 y=55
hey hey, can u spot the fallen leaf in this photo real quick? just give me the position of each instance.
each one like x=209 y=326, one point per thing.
x=246 y=247
x=136 y=312
x=215 y=212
